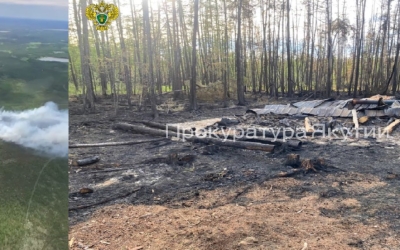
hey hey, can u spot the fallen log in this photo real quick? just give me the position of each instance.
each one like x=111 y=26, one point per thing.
x=286 y=134
x=112 y=143
x=108 y=170
x=144 y=130
x=226 y=122
x=88 y=161
x=194 y=138
x=379 y=102
x=278 y=142
x=165 y=127
x=296 y=144
x=389 y=129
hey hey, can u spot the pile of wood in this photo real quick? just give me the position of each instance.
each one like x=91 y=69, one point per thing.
x=333 y=125
x=171 y=132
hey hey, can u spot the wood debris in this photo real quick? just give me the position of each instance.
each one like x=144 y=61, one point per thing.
x=389 y=129
x=355 y=118
x=307 y=124
x=194 y=138
x=88 y=161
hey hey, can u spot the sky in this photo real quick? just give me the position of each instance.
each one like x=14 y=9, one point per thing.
x=372 y=8
x=298 y=18
x=35 y=9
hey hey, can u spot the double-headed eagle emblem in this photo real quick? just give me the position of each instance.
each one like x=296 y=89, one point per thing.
x=102 y=14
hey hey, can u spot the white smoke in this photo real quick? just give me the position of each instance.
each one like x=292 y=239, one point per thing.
x=44 y=129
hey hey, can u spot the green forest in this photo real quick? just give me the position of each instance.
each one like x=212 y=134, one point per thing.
x=33 y=185
x=274 y=47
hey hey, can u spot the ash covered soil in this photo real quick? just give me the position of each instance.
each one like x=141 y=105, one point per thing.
x=227 y=198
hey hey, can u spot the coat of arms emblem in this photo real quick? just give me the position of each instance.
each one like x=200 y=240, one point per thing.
x=102 y=14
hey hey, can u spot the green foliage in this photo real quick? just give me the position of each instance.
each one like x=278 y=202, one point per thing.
x=30 y=83
x=27 y=83
x=166 y=88
x=47 y=213
x=6 y=87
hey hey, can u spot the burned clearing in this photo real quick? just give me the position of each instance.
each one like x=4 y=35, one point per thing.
x=327 y=192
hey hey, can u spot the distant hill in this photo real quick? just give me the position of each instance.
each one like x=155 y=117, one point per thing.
x=18 y=23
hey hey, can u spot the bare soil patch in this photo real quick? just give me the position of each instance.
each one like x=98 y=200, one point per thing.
x=227 y=198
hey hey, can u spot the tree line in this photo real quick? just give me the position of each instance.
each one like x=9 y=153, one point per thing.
x=276 y=47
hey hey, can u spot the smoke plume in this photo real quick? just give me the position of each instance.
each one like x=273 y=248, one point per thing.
x=44 y=129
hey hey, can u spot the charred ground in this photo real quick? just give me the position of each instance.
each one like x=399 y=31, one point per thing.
x=227 y=198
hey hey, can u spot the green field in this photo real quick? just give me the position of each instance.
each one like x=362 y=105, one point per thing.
x=33 y=187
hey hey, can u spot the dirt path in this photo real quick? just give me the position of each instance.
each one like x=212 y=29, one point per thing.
x=154 y=204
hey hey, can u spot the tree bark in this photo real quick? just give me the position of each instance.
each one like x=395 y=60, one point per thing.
x=239 y=66
x=85 y=63
x=193 y=138
x=146 y=24
x=193 y=98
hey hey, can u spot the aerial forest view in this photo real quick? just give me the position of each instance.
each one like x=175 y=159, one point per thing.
x=235 y=124
x=33 y=134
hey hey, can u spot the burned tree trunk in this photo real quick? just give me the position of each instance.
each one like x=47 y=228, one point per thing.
x=194 y=138
x=147 y=24
x=85 y=63
x=193 y=101
x=239 y=66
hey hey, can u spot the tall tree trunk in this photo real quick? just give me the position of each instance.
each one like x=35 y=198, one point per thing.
x=314 y=31
x=396 y=62
x=359 y=44
x=282 y=74
x=193 y=101
x=71 y=67
x=135 y=31
x=264 y=65
x=177 y=85
x=308 y=38
x=185 y=39
x=239 y=66
x=146 y=23
x=329 y=50
x=386 y=27
x=226 y=57
x=107 y=58
x=103 y=76
x=102 y=73
x=288 y=41
x=125 y=62
x=395 y=73
x=85 y=63
x=395 y=70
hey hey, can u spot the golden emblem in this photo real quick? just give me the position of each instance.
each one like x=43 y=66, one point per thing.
x=102 y=14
